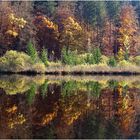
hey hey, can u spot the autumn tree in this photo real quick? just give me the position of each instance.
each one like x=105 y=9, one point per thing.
x=24 y=9
x=112 y=8
x=109 y=38
x=71 y=34
x=15 y=25
x=11 y=26
x=64 y=10
x=47 y=36
x=128 y=31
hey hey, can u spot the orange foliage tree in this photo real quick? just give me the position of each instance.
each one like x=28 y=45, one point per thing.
x=108 y=38
x=47 y=34
x=128 y=30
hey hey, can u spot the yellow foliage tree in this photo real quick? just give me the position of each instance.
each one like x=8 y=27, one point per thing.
x=11 y=26
x=15 y=25
x=71 y=35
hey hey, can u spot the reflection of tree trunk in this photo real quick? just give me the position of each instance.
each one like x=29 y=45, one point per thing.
x=54 y=89
x=115 y=92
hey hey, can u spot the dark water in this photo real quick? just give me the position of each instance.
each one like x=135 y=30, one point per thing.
x=69 y=107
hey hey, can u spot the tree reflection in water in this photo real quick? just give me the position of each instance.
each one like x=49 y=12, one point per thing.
x=38 y=107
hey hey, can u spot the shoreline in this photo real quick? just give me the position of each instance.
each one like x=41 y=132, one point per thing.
x=100 y=69
x=73 y=73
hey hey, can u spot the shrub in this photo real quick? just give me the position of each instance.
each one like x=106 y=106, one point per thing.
x=131 y=59
x=97 y=56
x=137 y=60
x=69 y=58
x=15 y=61
x=64 y=56
x=120 y=55
x=126 y=55
x=80 y=59
x=112 y=62
x=89 y=59
x=55 y=64
x=124 y=63
x=44 y=57
x=72 y=58
x=31 y=51
x=39 y=68
x=104 y=59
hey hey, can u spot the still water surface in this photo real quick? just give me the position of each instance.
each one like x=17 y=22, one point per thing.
x=69 y=107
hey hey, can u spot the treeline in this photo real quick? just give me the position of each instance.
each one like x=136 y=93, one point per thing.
x=111 y=26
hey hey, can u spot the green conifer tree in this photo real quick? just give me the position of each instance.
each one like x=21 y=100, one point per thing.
x=31 y=51
x=97 y=56
x=44 y=57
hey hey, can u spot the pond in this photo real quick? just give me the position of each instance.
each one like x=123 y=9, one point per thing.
x=69 y=107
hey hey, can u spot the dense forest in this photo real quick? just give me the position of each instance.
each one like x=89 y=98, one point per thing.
x=69 y=32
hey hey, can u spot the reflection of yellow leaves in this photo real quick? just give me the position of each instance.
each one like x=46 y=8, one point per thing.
x=74 y=108
x=39 y=80
x=16 y=121
x=48 y=117
x=13 y=109
x=88 y=104
x=123 y=83
x=20 y=85
x=125 y=102
x=120 y=90
x=73 y=118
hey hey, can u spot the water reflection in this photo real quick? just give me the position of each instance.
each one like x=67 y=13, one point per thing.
x=69 y=107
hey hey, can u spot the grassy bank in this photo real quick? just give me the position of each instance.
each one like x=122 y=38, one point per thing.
x=92 y=69
x=19 y=62
x=80 y=70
